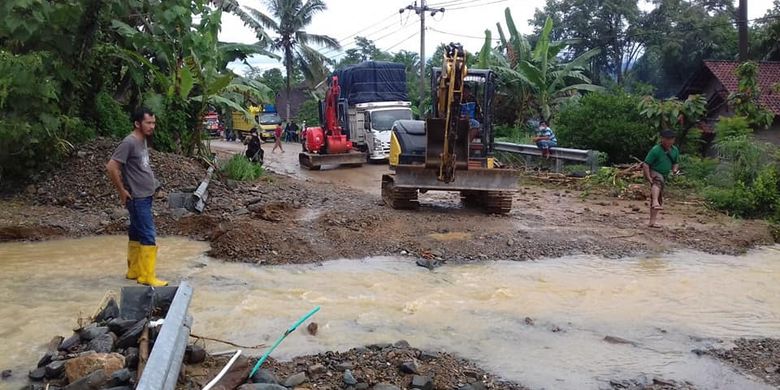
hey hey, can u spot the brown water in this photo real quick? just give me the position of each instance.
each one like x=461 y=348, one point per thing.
x=665 y=305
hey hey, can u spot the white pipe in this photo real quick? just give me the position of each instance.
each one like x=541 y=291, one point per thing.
x=223 y=372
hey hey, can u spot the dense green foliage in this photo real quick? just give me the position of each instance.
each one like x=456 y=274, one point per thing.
x=241 y=169
x=734 y=126
x=745 y=100
x=609 y=122
x=71 y=70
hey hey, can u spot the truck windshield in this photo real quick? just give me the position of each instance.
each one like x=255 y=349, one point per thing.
x=270 y=119
x=383 y=120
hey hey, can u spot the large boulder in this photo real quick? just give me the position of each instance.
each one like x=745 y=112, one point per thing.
x=80 y=367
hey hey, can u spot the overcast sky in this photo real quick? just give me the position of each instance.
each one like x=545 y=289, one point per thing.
x=463 y=21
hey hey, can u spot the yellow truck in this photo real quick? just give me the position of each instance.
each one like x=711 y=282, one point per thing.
x=265 y=119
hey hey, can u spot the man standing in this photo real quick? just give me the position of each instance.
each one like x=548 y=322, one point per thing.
x=131 y=173
x=660 y=161
x=545 y=139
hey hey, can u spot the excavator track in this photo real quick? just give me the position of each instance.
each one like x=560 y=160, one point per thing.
x=492 y=202
x=497 y=202
x=398 y=198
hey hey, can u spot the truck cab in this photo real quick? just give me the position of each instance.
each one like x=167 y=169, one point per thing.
x=371 y=124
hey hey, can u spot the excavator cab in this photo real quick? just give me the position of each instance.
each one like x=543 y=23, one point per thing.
x=453 y=150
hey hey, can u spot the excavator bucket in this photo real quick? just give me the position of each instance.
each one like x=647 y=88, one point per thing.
x=435 y=129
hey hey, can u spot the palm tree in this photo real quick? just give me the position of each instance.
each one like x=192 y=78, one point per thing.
x=550 y=81
x=286 y=21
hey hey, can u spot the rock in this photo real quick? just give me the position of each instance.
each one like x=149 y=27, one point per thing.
x=241 y=211
x=617 y=340
x=131 y=336
x=37 y=374
x=119 y=326
x=95 y=380
x=770 y=369
x=265 y=376
x=92 y=331
x=79 y=367
x=349 y=379
x=312 y=328
x=422 y=382
x=103 y=343
x=70 y=342
x=401 y=344
x=47 y=358
x=55 y=369
x=110 y=311
x=474 y=386
x=131 y=358
x=6 y=374
x=345 y=366
x=316 y=369
x=194 y=354
x=471 y=374
x=120 y=378
x=361 y=386
x=409 y=367
x=385 y=386
x=120 y=388
x=379 y=346
x=295 y=379
x=261 y=386
x=427 y=263
x=427 y=356
x=529 y=321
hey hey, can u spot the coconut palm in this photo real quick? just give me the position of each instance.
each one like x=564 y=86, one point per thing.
x=283 y=29
x=549 y=80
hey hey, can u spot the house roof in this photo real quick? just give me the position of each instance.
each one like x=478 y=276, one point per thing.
x=768 y=77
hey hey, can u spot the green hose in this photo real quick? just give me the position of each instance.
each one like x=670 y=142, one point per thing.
x=282 y=337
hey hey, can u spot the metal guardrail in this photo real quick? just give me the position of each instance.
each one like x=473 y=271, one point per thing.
x=162 y=368
x=586 y=157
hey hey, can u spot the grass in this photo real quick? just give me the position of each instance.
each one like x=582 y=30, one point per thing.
x=239 y=168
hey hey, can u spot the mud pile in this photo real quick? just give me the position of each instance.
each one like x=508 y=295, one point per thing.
x=759 y=357
x=81 y=183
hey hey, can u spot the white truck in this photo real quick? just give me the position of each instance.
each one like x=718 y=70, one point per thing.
x=369 y=124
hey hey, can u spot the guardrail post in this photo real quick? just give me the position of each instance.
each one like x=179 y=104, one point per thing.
x=165 y=361
x=593 y=160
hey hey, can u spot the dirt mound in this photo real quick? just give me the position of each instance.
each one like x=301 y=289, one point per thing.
x=760 y=357
x=81 y=182
x=381 y=366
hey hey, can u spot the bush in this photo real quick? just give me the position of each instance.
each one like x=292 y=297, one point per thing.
x=112 y=119
x=514 y=134
x=761 y=199
x=241 y=169
x=730 y=127
x=607 y=122
x=698 y=171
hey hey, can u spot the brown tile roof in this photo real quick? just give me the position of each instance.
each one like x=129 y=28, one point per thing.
x=768 y=76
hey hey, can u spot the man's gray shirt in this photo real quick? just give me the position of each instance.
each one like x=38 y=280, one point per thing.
x=137 y=174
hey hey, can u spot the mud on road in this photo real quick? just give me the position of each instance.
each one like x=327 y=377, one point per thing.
x=292 y=218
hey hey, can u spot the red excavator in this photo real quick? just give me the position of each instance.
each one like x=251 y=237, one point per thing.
x=328 y=145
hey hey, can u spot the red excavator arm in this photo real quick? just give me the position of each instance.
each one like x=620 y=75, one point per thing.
x=330 y=138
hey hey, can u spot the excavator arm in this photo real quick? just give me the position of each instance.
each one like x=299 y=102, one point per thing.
x=446 y=127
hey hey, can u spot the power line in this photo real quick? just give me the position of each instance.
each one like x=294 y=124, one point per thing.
x=369 y=36
x=476 y=5
x=461 y=35
x=402 y=28
x=414 y=34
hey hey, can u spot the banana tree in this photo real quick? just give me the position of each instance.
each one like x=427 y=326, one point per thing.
x=549 y=81
x=187 y=70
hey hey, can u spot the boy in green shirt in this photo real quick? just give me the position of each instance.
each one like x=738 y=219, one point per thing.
x=660 y=161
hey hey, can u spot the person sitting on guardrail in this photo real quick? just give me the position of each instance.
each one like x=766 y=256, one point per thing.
x=545 y=139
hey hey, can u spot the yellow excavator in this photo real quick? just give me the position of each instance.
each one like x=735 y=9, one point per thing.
x=453 y=149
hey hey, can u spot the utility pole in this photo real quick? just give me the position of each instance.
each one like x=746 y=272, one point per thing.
x=421 y=10
x=742 y=27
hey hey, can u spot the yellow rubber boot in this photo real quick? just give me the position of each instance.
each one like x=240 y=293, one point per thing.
x=133 y=253
x=146 y=264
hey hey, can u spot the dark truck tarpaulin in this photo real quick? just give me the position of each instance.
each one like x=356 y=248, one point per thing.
x=372 y=81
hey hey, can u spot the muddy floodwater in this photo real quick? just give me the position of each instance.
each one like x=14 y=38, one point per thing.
x=542 y=324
